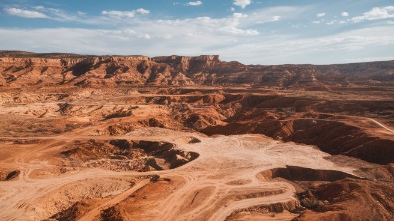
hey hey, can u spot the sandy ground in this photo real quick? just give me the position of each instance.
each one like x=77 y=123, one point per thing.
x=227 y=166
x=222 y=180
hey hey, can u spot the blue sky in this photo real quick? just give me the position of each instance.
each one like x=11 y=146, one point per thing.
x=249 y=31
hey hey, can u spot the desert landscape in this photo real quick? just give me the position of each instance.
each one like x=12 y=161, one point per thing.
x=194 y=138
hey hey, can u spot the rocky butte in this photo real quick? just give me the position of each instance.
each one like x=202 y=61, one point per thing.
x=194 y=138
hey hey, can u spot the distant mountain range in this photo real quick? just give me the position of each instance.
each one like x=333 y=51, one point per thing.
x=24 y=68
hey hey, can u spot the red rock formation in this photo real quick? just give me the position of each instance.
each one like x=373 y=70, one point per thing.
x=22 y=68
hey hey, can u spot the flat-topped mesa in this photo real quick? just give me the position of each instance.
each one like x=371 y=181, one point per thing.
x=129 y=58
x=166 y=59
x=31 y=61
x=22 y=68
x=105 y=59
x=189 y=63
x=66 y=61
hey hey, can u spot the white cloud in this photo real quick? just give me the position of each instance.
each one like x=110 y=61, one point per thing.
x=331 y=22
x=129 y=14
x=242 y=3
x=233 y=37
x=142 y=11
x=390 y=22
x=81 y=13
x=275 y=18
x=187 y=38
x=193 y=36
x=344 y=14
x=368 y=59
x=337 y=48
x=39 y=7
x=232 y=9
x=316 y=22
x=196 y=3
x=240 y=15
x=376 y=13
x=320 y=14
x=53 y=14
x=229 y=25
x=273 y=14
x=60 y=15
x=24 y=13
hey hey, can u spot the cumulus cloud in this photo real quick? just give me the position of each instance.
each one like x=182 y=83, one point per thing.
x=142 y=11
x=242 y=3
x=240 y=15
x=345 y=14
x=320 y=14
x=39 y=7
x=375 y=14
x=275 y=18
x=331 y=22
x=129 y=14
x=187 y=38
x=337 y=48
x=24 y=13
x=196 y=3
x=228 y=25
x=273 y=14
x=81 y=13
x=233 y=36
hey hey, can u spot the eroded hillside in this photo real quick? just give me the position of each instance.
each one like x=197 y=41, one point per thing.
x=193 y=138
x=21 y=68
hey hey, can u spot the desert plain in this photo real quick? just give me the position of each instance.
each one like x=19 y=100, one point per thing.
x=194 y=138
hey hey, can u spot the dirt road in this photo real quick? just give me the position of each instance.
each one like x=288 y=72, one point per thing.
x=96 y=211
x=226 y=168
x=381 y=125
x=226 y=210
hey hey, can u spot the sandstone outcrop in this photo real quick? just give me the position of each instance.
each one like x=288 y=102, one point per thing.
x=22 y=68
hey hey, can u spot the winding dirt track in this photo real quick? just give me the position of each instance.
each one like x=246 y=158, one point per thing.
x=226 y=211
x=381 y=125
x=228 y=166
x=96 y=211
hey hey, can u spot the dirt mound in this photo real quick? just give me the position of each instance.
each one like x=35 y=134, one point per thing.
x=295 y=173
x=119 y=114
x=194 y=140
x=292 y=206
x=343 y=200
x=73 y=213
x=132 y=125
x=89 y=150
x=76 y=198
x=127 y=155
x=111 y=214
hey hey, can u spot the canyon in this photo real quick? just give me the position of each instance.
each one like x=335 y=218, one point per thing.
x=194 y=138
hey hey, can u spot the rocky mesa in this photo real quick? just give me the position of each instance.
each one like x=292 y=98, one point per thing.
x=21 y=68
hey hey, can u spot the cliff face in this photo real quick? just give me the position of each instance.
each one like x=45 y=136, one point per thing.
x=88 y=71
x=19 y=69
